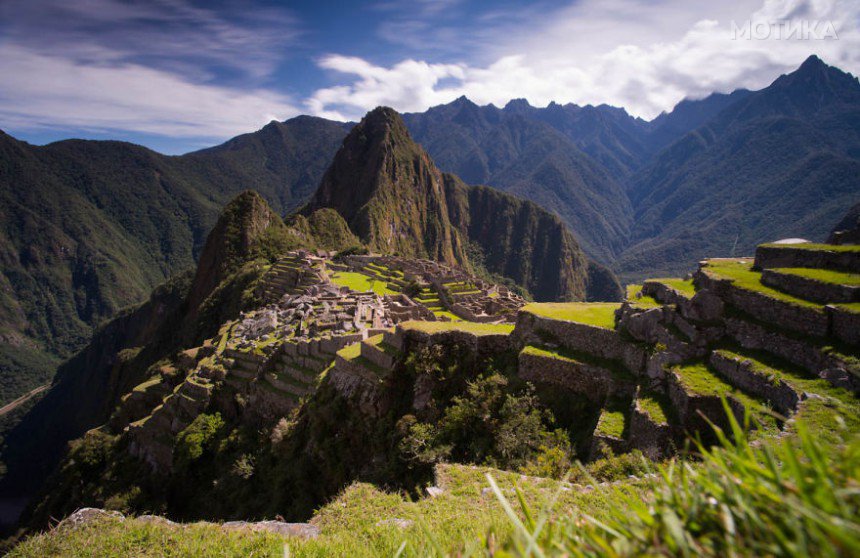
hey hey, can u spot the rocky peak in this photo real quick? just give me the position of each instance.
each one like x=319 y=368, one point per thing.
x=245 y=223
x=389 y=192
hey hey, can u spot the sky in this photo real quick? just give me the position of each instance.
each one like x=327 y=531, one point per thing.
x=180 y=75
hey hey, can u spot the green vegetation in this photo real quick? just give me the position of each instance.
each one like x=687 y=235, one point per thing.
x=683 y=286
x=635 y=296
x=600 y=314
x=816 y=247
x=743 y=276
x=736 y=499
x=823 y=275
x=468 y=327
x=361 y=282
x=831 y=405
x=489 y=424
x=699 y=379
x=611 y=423
x=656 y=406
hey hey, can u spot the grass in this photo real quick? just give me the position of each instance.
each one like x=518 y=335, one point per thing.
x=635 y=297
x=683 y=286
x=538 y=351
x=817 y=247
x=148 y=383
x=618 y=371
x=361 y=283
x=599 y=314
x=832 y=405
x=468 y=327
x=823 y=275
x=611 y=423
x=457 y=522
x=795 y=496
x=743 y=276
x=350 y=352
x=698 y=378
x=450 y=315
x=656 y=406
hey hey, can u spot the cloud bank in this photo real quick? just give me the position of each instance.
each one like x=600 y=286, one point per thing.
x=563 y=61
x=175 y=69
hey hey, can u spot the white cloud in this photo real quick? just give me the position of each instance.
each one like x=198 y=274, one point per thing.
x=645 y=57
x=55 y=92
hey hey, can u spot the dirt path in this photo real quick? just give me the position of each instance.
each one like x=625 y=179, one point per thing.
x=16 y=403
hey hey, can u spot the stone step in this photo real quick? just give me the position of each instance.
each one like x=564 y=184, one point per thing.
x=287 y=384
x=596 y=380
x=611 y=430
x=669 y=291
x=823 y=256
x=377 y=352
x=757 y=379
x=652 y=425
x=818 y=358
x=740 y=286
x=814 y=285
x=695 y=391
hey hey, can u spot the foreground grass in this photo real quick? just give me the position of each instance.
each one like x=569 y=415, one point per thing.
x=795 y=496
x=600 y=314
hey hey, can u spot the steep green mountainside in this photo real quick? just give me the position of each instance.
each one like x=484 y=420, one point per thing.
x=395 y=200
x=780 y=162
x=88 y=228
x=182 y=312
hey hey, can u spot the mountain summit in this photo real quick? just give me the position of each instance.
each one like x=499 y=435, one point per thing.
x=389 y=191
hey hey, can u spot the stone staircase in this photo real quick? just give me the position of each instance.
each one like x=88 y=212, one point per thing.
x=292 y=274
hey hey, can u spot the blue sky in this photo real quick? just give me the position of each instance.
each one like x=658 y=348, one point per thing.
x=178 y=75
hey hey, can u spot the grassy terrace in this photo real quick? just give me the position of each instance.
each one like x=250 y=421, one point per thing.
x=378 y=341
x=823 y=275
x=361 y=283
x=576 y=357
x=600 y=314
x=850 y=307
x=468 y=327
x=612 y=422
x=683 y=286
x=698 y=378
x=743 y=276
x=656 y=406
x=833 y=405
x=635 y=297
x=352 y=353
x=817 y=247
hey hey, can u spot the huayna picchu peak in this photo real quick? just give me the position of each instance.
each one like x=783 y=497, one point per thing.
x=396 y=201
x=521 y=322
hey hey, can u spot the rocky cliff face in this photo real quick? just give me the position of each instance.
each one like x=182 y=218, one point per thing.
x=390 y=192
x=395 y=200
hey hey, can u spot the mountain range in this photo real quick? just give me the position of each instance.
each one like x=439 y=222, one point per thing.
x=90 y=227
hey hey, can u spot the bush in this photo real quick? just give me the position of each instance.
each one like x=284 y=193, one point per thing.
x=192 y=442
x=489 y=424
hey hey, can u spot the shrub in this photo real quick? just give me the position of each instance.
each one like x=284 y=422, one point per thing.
x=197 y=437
